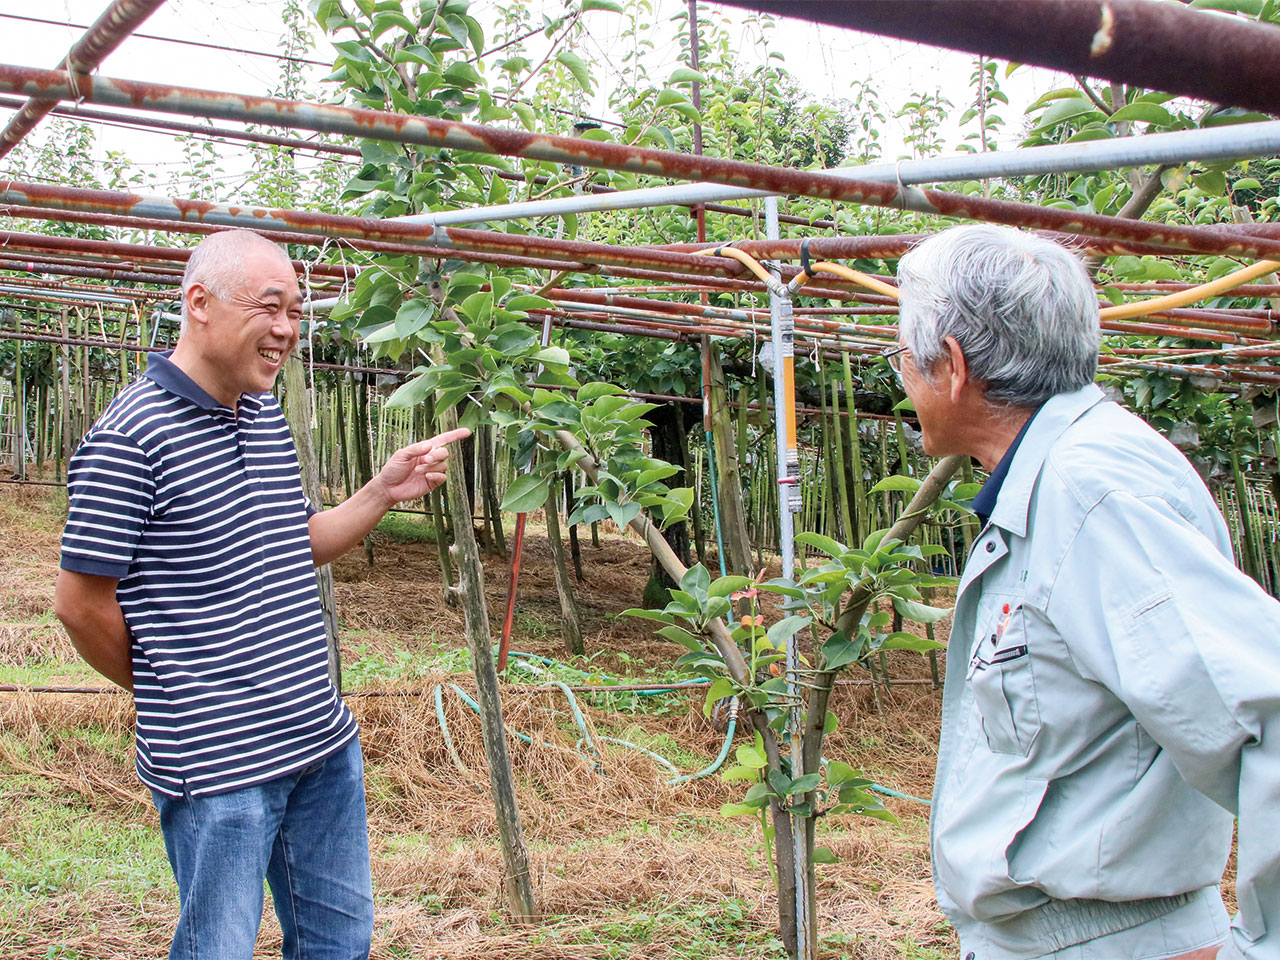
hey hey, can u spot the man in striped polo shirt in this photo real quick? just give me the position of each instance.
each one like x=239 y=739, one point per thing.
x=188 y=578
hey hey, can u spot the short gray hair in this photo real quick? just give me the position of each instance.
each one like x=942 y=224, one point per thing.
x=217 y=263
x=1022 y=309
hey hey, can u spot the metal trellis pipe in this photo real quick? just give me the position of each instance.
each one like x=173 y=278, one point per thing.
x=104 y=35
x=436 y=133
x=1160 y=46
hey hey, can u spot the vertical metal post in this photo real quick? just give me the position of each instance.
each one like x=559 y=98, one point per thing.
x=783 y=328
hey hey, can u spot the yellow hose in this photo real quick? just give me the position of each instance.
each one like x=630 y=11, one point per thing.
x=750 y=262
x=1143 y=308
x=854 y=276
x=1124 y=311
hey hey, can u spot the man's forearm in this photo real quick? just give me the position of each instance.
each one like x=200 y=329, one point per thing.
x=95 y=623
x=334 y=532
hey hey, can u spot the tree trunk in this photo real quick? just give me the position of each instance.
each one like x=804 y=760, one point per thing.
x=570 y=631
x=297 y=412
x=733 y=514
x=664 y=434
x=575 y=549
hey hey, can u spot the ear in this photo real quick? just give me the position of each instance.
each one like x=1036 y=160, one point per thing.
x=197 y=300
x=958 y=377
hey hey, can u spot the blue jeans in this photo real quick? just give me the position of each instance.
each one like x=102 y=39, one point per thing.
x=305 y=832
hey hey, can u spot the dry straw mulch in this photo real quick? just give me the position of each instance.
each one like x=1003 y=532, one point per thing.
x=610 y=841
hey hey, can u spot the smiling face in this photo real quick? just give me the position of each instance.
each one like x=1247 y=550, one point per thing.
x=238 y=343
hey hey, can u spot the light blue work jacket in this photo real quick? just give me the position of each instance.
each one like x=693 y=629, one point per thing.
x=1112 y=699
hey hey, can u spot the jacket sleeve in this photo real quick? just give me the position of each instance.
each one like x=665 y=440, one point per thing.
x=1192 y=647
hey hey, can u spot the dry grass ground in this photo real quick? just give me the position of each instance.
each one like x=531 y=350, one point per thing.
x=624 y=865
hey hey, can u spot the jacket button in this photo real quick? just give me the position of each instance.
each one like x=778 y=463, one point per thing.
x=991 y=548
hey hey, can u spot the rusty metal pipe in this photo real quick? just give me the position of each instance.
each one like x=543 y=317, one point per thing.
x=1160 y=46
x=435 y=133
x=39 y=268
x=104 y=35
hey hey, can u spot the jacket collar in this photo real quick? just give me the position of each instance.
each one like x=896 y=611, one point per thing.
x=1059 y=412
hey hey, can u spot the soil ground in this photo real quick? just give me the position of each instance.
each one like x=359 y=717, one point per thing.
x=625 y=865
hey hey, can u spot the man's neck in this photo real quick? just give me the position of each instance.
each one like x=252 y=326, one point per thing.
x=998 y=431
x=187 y=359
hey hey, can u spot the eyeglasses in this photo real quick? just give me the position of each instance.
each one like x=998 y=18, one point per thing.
x=894 y=356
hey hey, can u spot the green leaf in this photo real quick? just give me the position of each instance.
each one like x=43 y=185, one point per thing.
x=1063 y=110
x=919 y=612
x=685 y=75
x=668 y=97
x=823 y=855
x=736 y=810
x=609 y=5
x=623 y=513
x=718 y=691
x=526 y=493
x=647 y=614
x=909 y=641
x=412 y=392
x=655 y=474
x=695 y=581
x=839 y=772
x=830 y=723
x=528 y=301
x=1211 y=181
x=680 y=635
x=576 y=67
x=552 y=357
x=723 y=586
x=804 y=784
x=752 y=757
x=1062 y=93
x=908 y=484
x=828 y=546
x=525 y=113
x=412 y=316
x=785 y=629
x=597 y=388
x=1246 y=183
x=1143 y=113
x=780 y=782
x=840 y=650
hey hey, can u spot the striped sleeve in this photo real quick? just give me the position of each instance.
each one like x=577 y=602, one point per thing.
x=110 y=490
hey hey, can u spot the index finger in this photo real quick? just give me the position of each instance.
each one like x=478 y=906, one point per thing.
x=440 y=440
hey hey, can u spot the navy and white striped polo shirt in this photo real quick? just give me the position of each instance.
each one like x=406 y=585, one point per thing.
x=200 y=514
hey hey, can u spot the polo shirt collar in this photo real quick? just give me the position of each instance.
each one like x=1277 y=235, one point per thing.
x=1059 y=412
x=167 y=374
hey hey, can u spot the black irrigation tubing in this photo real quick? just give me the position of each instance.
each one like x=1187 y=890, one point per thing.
x=395 y=372
x=53 y=483
x=515 y=688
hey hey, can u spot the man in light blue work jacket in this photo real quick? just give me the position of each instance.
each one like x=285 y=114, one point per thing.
x=1112 y=694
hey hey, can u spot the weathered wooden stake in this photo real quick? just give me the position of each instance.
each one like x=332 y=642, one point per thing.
x=297 y=411
x=515 y=858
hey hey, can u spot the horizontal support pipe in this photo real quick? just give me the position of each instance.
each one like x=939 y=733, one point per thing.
x=436 y=133
x=106 y=33
x=1160 y=46
x=1237 y=142
x=12 y=239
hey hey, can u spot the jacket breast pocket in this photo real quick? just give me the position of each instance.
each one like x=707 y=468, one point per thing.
x=1002 y=676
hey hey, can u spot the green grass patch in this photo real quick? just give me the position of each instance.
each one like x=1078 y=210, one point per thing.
x=45 y=673
x=55 y=848
x=406 y=528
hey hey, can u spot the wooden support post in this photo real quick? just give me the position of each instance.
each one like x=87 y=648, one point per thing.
x=515 y=858
x=570 y=630
x=297 y=411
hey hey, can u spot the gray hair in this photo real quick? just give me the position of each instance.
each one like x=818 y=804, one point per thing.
x=1022 y=309
x=217 y=264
